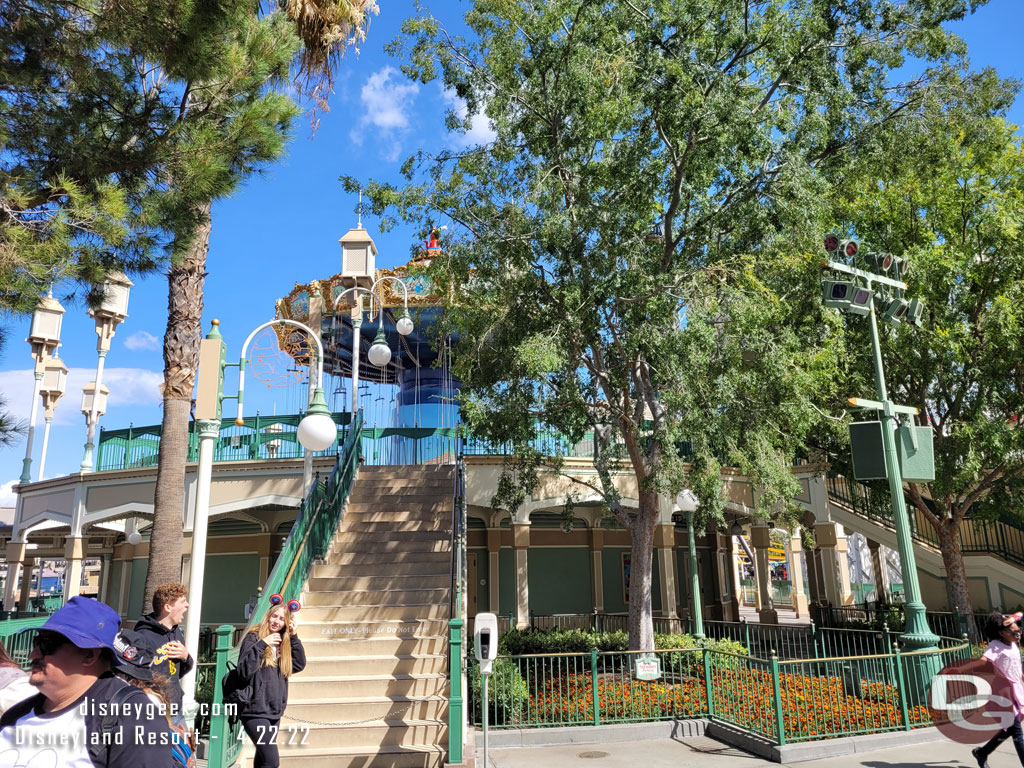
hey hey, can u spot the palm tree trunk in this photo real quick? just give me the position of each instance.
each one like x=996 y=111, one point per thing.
x=181 y=360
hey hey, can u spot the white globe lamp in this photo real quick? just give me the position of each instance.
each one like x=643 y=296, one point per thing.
x=317 y=431
x=404 y=324
x=380 y=352
x=134 y=538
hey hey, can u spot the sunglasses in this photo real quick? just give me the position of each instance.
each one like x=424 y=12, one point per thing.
x=48 y=644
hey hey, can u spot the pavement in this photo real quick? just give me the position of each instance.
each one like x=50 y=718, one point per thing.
x=705 y=752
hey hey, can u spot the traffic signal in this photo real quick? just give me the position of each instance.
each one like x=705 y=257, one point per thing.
x=846 y=296
x=901 y=266
x=832 y=245
x=896 y=310
x=881 y=262
x=915 y=312
x=848 y=248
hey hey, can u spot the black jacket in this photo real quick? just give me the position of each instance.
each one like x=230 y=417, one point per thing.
x=149 y=749
x=269 y=686
x=157 y=636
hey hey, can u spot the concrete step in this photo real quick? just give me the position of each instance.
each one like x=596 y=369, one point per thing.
x=408 y=470
x=376 y=707
x=306 y=687
x=373 y=645
x=322 y=593
x=372 y=629
x=427 y=484
x=376 y=733
x=348 y=666
x=356 y=544
x=428 y=756
x=347 y=583
x=401 y=522
x=374 y=613
x=384 y=565
x=385 y=535
x=412 y=504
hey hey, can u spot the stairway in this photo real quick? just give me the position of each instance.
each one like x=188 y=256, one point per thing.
x=374 y=624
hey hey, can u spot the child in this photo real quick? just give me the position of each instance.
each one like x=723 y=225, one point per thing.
x=268 y=660
x=1003 y=651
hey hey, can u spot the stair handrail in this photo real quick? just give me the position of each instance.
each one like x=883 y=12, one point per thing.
x=308 y=540
x=456 y=623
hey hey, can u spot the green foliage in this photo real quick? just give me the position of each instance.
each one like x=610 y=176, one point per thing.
x=523 y=642
x=116 y=126
x=631 y=254
x=507 y=691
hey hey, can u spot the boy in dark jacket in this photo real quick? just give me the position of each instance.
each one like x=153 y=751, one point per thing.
x=160 y=631
x=269 y=655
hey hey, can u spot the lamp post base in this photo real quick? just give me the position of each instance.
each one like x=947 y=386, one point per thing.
x=26 y=470
x=86 y=465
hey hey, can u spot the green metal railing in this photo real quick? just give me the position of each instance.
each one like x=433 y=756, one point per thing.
x=782 y=701
x=992 y=537
x=19 y=646
x=456 y=624
x=309 y=539
x=262 y=437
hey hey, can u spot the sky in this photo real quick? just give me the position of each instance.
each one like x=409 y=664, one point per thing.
x=282 y=228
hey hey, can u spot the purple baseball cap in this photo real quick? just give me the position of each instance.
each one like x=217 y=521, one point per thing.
x=87 y=623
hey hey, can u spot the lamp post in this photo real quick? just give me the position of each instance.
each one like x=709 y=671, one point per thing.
x=109 y=312
x=55 y=382
x=860 y=292
x=316 y=432
x=44 y=338
x=94 y=405
x=687 y=502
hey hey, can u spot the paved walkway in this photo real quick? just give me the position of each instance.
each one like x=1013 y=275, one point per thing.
x=703 y=751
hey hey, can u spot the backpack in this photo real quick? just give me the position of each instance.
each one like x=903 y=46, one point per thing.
x=236 y=688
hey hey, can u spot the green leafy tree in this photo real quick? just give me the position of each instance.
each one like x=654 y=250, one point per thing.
x=945 y=188
x=618 y=260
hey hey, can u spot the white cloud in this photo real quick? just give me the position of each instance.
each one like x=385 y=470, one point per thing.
x=142 y=340
x=481 y=130
x=8 y=498
x=128 y=386
x=386 y=99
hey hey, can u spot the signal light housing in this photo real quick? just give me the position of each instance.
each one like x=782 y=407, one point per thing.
x=848 y=248
x=881 y=261
x=832 y=244
x=896 y=310
x=847 y=296
x=915 y=312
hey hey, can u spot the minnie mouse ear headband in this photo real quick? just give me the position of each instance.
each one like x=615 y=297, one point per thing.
x=293 y=605
x=1012 y=618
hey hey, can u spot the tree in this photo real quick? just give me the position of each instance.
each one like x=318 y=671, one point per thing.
x=946 y=189
x=234 y=126
x=618 y=259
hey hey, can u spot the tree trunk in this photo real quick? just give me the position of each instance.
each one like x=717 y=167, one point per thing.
x=641 y=569
x=956 y=573
x=181 y=361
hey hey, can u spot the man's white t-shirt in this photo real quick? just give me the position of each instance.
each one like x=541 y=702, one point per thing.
x=51 y=740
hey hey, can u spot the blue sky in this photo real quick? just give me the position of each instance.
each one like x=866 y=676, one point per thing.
x=282 y=227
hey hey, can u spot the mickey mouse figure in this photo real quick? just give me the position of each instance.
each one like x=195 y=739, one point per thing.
x=270 y=654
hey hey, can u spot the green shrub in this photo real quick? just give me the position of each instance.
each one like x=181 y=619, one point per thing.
x=506 y=692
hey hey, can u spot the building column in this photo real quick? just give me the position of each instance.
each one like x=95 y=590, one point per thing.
x=664 y=544
x=796 y=576
x=26 y=583
x=834 y=569
x=597 y=567
x=15 y=557
x=883 y=589
x=104 y=576
x=521 y=544
x=493 y=569
x=761 y=539
x=74 y=550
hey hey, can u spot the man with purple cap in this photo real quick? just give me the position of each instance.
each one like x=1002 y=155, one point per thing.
x=83 y=716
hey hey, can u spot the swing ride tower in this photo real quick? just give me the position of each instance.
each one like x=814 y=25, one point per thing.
x=412 y=395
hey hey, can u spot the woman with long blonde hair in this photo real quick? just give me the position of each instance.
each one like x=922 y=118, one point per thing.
x=270 y=654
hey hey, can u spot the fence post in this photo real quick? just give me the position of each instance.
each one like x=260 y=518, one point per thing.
x=900 y=692
x=886 y=641
x=593 y=621
x=220 y=732
x=780 y=726
x=593 y=685
x=707 y=682
x=746 y=634
x=815 y=638
x=455 y=691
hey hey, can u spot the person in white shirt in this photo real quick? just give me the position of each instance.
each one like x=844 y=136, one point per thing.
x=1003 y=634
x=14 y=685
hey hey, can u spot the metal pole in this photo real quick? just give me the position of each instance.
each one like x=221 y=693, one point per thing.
x=307 y=455
x=698 y=615
x=26 y=468
x=357 y=323
x=485 y=678
x=209 y=431
x=917 y=635
x=94 y=413
x=46 y=443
